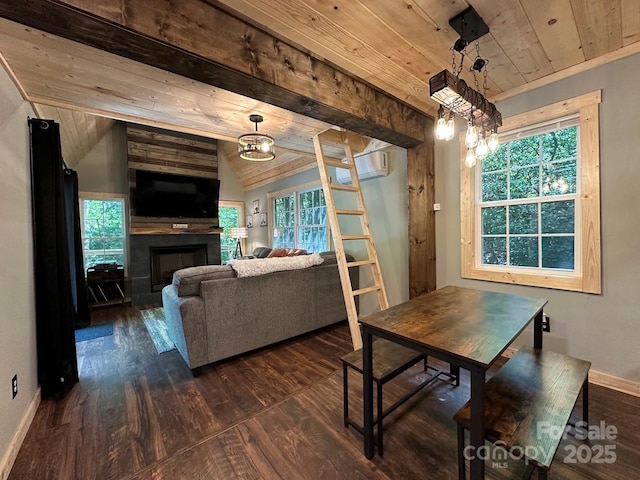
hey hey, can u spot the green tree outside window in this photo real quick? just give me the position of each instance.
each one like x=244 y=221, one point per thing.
x=527 y=206
x=103 y=231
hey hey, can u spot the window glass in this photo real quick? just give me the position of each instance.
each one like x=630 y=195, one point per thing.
x=103 y=231
x=300 y=220
x=528 y=193
x=228 y=216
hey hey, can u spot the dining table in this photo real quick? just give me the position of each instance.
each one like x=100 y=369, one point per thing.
x=468 y=328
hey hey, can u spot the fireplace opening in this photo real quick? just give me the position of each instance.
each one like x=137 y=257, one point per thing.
x=166 y=260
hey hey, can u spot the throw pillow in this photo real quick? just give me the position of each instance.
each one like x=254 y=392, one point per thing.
x=277 y=252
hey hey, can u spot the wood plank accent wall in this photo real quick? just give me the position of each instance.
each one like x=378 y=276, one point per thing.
x=158 y=150
x=422 y=223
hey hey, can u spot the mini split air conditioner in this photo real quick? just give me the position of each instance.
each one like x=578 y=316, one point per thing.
x=369 y=165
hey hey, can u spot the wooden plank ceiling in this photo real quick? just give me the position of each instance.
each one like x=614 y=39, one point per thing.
x=395 y=46
x=398 y=45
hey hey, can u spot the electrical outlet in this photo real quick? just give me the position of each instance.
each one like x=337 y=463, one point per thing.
x=546 y=323
x=14 y=386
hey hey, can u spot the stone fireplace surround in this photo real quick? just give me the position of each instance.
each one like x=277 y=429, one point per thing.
x=140 y=246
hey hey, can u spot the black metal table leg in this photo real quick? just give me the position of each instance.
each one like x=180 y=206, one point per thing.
x=537 y=330
x=454 y=371
x=585 y=400
x=367 y=391
x=462 y=469
x=477 y=422
x=345 y=393
x=380 y=416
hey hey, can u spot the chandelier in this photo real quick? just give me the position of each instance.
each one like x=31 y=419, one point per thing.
x=453 y=93
x=256 y=147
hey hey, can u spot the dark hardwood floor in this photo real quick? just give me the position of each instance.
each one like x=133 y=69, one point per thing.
x=275 y=413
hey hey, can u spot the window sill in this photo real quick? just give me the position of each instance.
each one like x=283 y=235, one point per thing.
x=559 y=281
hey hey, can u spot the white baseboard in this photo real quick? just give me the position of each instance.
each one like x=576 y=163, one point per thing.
x=12 y=452
x=600 y=378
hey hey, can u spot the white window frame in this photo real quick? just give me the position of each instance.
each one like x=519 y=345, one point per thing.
x=586 y=276
x=125 y=208
x=271 y=196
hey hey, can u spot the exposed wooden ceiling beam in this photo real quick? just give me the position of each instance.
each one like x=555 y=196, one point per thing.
x=205 y=43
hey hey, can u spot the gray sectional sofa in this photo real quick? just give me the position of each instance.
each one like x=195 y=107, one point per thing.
x=212 y=315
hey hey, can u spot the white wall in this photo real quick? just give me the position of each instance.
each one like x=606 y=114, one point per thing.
x=230 y=188
x=604 y=329
x=104 y=168
x=387 y=203
x=17 y=300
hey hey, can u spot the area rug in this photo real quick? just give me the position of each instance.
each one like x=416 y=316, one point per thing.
x=154 y=321
x=94 y=331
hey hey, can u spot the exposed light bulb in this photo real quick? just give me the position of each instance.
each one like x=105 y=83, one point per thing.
x=494 y=142
x=482 y=150
x=265 y=147
x=471 y=140
x=441 y=129
x=470 y=159
x=451 y=128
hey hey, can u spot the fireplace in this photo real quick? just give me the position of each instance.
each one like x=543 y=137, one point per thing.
x=166 y=260
x=172 y=252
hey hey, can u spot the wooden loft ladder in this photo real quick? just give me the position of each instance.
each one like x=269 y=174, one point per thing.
x=344 y=139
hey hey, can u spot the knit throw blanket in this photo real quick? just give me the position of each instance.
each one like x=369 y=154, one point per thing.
x=261 y=266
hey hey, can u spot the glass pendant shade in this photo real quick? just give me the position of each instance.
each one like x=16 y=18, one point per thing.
x=493 y=142
x=482 y=149
x=470 y=159
x=450 y=129
x=441 y=129
x=471 y=139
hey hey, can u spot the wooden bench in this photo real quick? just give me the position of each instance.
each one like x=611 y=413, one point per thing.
x=389 y=360
x=532 y=395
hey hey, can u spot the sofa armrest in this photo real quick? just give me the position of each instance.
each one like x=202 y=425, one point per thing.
x=186 y=323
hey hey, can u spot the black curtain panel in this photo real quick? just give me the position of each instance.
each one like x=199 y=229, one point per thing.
x=55 y=313
x=79 y=293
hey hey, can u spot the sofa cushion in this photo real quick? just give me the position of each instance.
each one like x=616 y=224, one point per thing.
x=253 y=268
x=261 y=252
x=330 y=257
x=187 y=280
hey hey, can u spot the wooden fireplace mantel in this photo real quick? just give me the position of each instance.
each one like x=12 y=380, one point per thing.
x=195 y=229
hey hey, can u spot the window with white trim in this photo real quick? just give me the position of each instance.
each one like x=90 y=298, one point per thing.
x=528 y=193
x=103 y=228
x=300 y=219
x=530 y=211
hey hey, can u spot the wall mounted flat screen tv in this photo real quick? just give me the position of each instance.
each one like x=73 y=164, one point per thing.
x=168 y=195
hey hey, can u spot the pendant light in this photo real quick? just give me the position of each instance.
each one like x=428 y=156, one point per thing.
x=256 y=147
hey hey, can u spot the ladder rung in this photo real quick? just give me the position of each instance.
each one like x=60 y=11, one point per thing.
x=349 y=212
x=372 y=288
x=346 y=188
x=356 y=237
x=337 y=164
x=360 y=263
